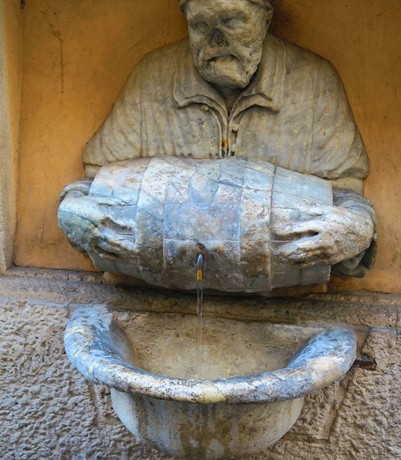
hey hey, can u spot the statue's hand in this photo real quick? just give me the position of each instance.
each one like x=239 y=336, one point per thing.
x=78 y=188
x=327 y=236
x=89 y=225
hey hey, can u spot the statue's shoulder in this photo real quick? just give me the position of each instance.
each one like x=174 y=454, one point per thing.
x=163 y=59
x=300 y=60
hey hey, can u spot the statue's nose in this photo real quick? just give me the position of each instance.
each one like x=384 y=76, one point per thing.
x=217 y=38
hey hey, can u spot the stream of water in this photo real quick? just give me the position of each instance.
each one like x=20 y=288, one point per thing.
x=199 y=311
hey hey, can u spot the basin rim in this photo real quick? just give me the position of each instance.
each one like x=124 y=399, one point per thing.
x=90 y=344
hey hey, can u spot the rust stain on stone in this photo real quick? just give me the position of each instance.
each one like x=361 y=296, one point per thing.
x=366 y=362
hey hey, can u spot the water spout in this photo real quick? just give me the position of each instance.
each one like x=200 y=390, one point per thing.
x=199 y=304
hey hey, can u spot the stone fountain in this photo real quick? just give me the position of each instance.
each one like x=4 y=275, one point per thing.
x=238 y=171
x=243 y=396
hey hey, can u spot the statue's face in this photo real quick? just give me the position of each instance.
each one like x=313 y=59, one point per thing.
x=226 y=38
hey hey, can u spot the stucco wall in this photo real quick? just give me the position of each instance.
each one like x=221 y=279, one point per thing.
x=48 y=411
x=10 y=99
x=78 y=54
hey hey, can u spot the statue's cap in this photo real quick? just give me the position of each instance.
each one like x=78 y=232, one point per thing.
x=262 y=3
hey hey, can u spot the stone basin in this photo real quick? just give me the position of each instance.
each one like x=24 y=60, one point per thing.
x=233 y=396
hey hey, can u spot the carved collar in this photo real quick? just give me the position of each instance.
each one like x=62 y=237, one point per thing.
x=265 y=89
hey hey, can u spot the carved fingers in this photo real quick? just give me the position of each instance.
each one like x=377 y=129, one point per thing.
x=78 y=188
x=323 y=236
x=88 y=224
x=107 y=242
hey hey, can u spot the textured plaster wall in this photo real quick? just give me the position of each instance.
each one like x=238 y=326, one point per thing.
x=10 y=99
x=49 y=411
x=77 y=55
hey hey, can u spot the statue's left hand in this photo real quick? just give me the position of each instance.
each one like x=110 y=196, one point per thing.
x=329 y=235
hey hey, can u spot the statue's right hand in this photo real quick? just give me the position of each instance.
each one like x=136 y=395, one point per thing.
x=90 y=226
x=78 y=188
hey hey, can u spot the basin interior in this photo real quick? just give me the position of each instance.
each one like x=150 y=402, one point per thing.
x=170 y=344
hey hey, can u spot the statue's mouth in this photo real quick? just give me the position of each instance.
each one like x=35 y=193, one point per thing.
x=222 y=58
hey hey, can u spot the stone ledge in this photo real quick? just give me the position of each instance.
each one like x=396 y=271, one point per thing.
x=50 y=411
x=69 y=288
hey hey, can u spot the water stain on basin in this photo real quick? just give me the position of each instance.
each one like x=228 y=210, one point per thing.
x=168 y=344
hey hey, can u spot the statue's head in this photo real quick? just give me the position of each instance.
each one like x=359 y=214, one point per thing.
x=226 y=38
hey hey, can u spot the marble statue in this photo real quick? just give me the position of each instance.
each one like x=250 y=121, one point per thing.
x=229 y=100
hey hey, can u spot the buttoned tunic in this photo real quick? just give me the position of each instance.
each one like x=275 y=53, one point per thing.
x=294 y=114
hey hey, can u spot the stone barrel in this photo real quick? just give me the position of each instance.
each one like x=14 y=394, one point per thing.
x=167 y=208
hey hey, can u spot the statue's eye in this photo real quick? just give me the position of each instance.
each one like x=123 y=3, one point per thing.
x=232 y=21
x=199 y=26
x=228 y=21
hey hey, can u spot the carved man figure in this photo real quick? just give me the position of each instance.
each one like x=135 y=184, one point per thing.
x=233 y=89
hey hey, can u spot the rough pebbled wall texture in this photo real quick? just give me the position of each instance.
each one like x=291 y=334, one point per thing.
x=48 y=411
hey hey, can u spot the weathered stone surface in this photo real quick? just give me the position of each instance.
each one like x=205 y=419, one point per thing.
x=366 y=422
x=147 y=218
x=62 y=288
x=49 y=411
x=100 y=336
x=231 y=90
x=143 y=357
